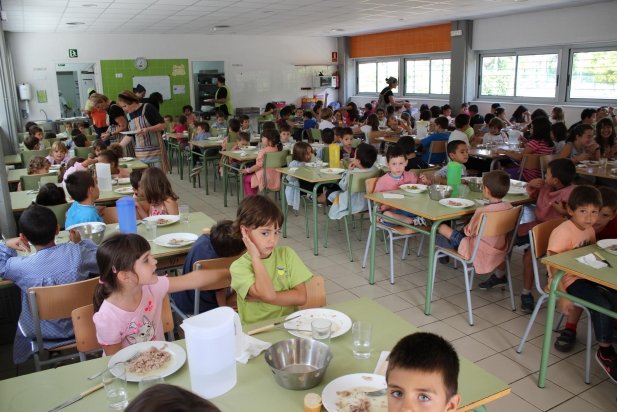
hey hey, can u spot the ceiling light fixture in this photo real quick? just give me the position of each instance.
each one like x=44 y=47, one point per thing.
x=89 y=5
x=336 y=30
x=75 y=23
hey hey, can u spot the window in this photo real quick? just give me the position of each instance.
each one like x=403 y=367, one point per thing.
x=594 y=75
x=427 y=76
x=529 y=75
x=372 y=75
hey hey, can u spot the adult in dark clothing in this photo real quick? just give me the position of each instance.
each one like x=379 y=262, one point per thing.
x=386 y=97
x=222 y=97
x=117 y=119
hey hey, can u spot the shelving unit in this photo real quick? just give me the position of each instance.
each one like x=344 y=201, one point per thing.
x=205 y=83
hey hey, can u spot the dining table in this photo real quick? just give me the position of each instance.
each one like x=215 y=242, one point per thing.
x=14 y=159
x=494 y=153
x=567 y=262
x=255 y=389
x=318 y=177
x=597 y=169
x=235 y=161
x=434 y=213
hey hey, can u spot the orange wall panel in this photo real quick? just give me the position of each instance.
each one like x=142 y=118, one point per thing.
x=429 y=39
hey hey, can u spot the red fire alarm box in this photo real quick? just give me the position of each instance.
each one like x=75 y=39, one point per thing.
x=334 y=57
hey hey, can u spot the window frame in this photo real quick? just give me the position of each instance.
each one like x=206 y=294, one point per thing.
x=384 y=59
x=568 y=84
x=516 y=53
x=430 y=57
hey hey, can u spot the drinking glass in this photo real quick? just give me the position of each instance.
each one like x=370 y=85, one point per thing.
x=150 y=229
x=184 y=213
x=321 y=330
x=603 y=161
x=361 y=332
x=149 y=381
x=114 y=380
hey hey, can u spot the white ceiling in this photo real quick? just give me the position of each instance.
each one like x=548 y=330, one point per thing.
x=254 y=17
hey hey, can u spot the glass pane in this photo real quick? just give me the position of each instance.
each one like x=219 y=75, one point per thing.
x=385 y=70
x=367 y=77
x=497 y=76
x=417 y=76
x=440 y=76
x=536 y=75
x=594 y=75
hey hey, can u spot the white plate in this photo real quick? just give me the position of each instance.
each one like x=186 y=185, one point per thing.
x=126 y=159
x=316 y=164
x=178 y=357
x=459 y=202
x=249 y=148
x=169 y=219
x=365 y=382
x=594 y=163
x=517 y=190
x=185 y=238
x=584 y=161
x=55 y=167
x=129 y=132
x=123 y=180
x=607 y=243
x=413 y=188
x=341 y=323
x=124 y=190
x=332 y=170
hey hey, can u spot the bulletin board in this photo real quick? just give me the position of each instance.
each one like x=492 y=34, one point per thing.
x=152 y=84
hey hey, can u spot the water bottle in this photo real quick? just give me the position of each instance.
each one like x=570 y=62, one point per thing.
x=127 y=217
x=455 y=172
x=334 y=155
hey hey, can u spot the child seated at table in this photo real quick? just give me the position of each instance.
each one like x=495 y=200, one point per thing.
x=269 y=280
x=98 y=146
x=38 y=166
x=80 y=141
x=254 y=177
x=245 y=124
x=165 y=397
x=51 y=265
x=580 y=145
x=232 y=135
x=160 y=199
x=338 y=134
x=583 y=207
x=110 y=157
x=422 y=374
x=309 y=121
x=458 y=152
x=441 y=134
x=50 y=194
x=423 y=125
x=221 y=121
x=76 y=164
x=492 y=250
x=336 y=195
x=37 y=132
x=169 y=123
x=408 y=146
x=396 y=177
x=551 y=195
x=301 y=154
x=220 y=242
x=84 y=191
x=187 y=110
x=347 y=150
x=181 y=125
x=32 y=143
x=129 y=297
x=135 y=178
x=285 y=132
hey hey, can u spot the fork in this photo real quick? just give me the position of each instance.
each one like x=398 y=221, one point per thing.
x=96 y=375
x=378 y=392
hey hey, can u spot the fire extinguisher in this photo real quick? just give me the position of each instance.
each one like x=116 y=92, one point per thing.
x=337 y=77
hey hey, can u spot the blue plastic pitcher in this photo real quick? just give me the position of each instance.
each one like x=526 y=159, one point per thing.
x=127 y=217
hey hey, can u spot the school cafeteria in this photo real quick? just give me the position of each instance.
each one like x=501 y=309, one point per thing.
x=282 y=205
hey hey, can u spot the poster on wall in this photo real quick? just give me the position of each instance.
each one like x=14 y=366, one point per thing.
x=152 y=84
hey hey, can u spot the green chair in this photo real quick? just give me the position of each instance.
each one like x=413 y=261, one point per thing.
x=83 y=152
x=22 y=136
x=315 y=135
x=272 y=161
x=356 y=184
x=27 y=155
x=60 y=212
x=91 y=137
x=31 y=182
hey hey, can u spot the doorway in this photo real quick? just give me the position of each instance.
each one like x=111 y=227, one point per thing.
x=75 y=80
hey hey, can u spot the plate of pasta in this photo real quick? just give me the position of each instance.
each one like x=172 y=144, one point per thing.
x=348 y=393
x=300 y=325
x=163 y=220
x=610 y=245
x=175 y=239
x=413 y=188
x=143 y=359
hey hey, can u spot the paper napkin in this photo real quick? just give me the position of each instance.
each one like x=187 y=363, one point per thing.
x=293 y=169
x=393 y=196
x=251 y=347
x=590 y=260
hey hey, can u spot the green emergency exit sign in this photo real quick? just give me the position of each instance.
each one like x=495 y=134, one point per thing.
x=72 y=53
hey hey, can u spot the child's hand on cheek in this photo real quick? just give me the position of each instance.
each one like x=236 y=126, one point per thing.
x=560 y=207
x=250 y=246
x=354 y=164
x=536 y=183
x=424 y=180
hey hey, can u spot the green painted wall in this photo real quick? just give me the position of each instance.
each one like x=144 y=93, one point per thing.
x=178 y=70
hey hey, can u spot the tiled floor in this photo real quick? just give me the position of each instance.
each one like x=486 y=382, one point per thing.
x=490 y=342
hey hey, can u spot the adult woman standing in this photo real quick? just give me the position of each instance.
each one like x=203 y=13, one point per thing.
x=222 y=97
x=117 y=118
x=386 y=97
x=148 y=124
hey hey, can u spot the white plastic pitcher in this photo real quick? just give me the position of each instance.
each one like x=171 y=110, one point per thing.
x=212 y=340
x=103 y=176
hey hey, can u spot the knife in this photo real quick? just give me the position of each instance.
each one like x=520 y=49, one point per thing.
x=602 y=259
x=270 y=326
x=78 y=397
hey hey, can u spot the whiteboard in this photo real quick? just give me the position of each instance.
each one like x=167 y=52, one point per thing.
x=153 y=84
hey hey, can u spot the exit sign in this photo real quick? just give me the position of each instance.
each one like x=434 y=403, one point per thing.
x=73 y=53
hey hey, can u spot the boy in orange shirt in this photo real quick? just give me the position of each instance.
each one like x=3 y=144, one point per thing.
x=583 y=207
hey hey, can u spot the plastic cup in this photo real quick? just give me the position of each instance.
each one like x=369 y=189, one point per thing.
x=150 y=381
x=361 y=332
x=321 y=330
x=114 y=380
x=150 y=229
x=603 y=161
x=184 y=213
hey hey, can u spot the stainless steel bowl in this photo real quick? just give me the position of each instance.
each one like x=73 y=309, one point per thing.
x=297 y=363
x=474 y=183
x=438 y=192
x=95 y=231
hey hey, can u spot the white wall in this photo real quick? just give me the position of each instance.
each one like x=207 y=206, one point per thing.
x=257 y=69
x=566 y=26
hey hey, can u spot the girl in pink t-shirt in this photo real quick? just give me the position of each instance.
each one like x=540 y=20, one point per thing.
x=129 y=298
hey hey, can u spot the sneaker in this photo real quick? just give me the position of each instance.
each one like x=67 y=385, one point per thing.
x=527 y=303
x=609 y=364
x=565 y=341
x=444 y=260
x=419 y=221
x=493 y=281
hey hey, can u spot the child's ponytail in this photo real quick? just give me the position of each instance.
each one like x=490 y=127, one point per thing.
x=274 y=138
